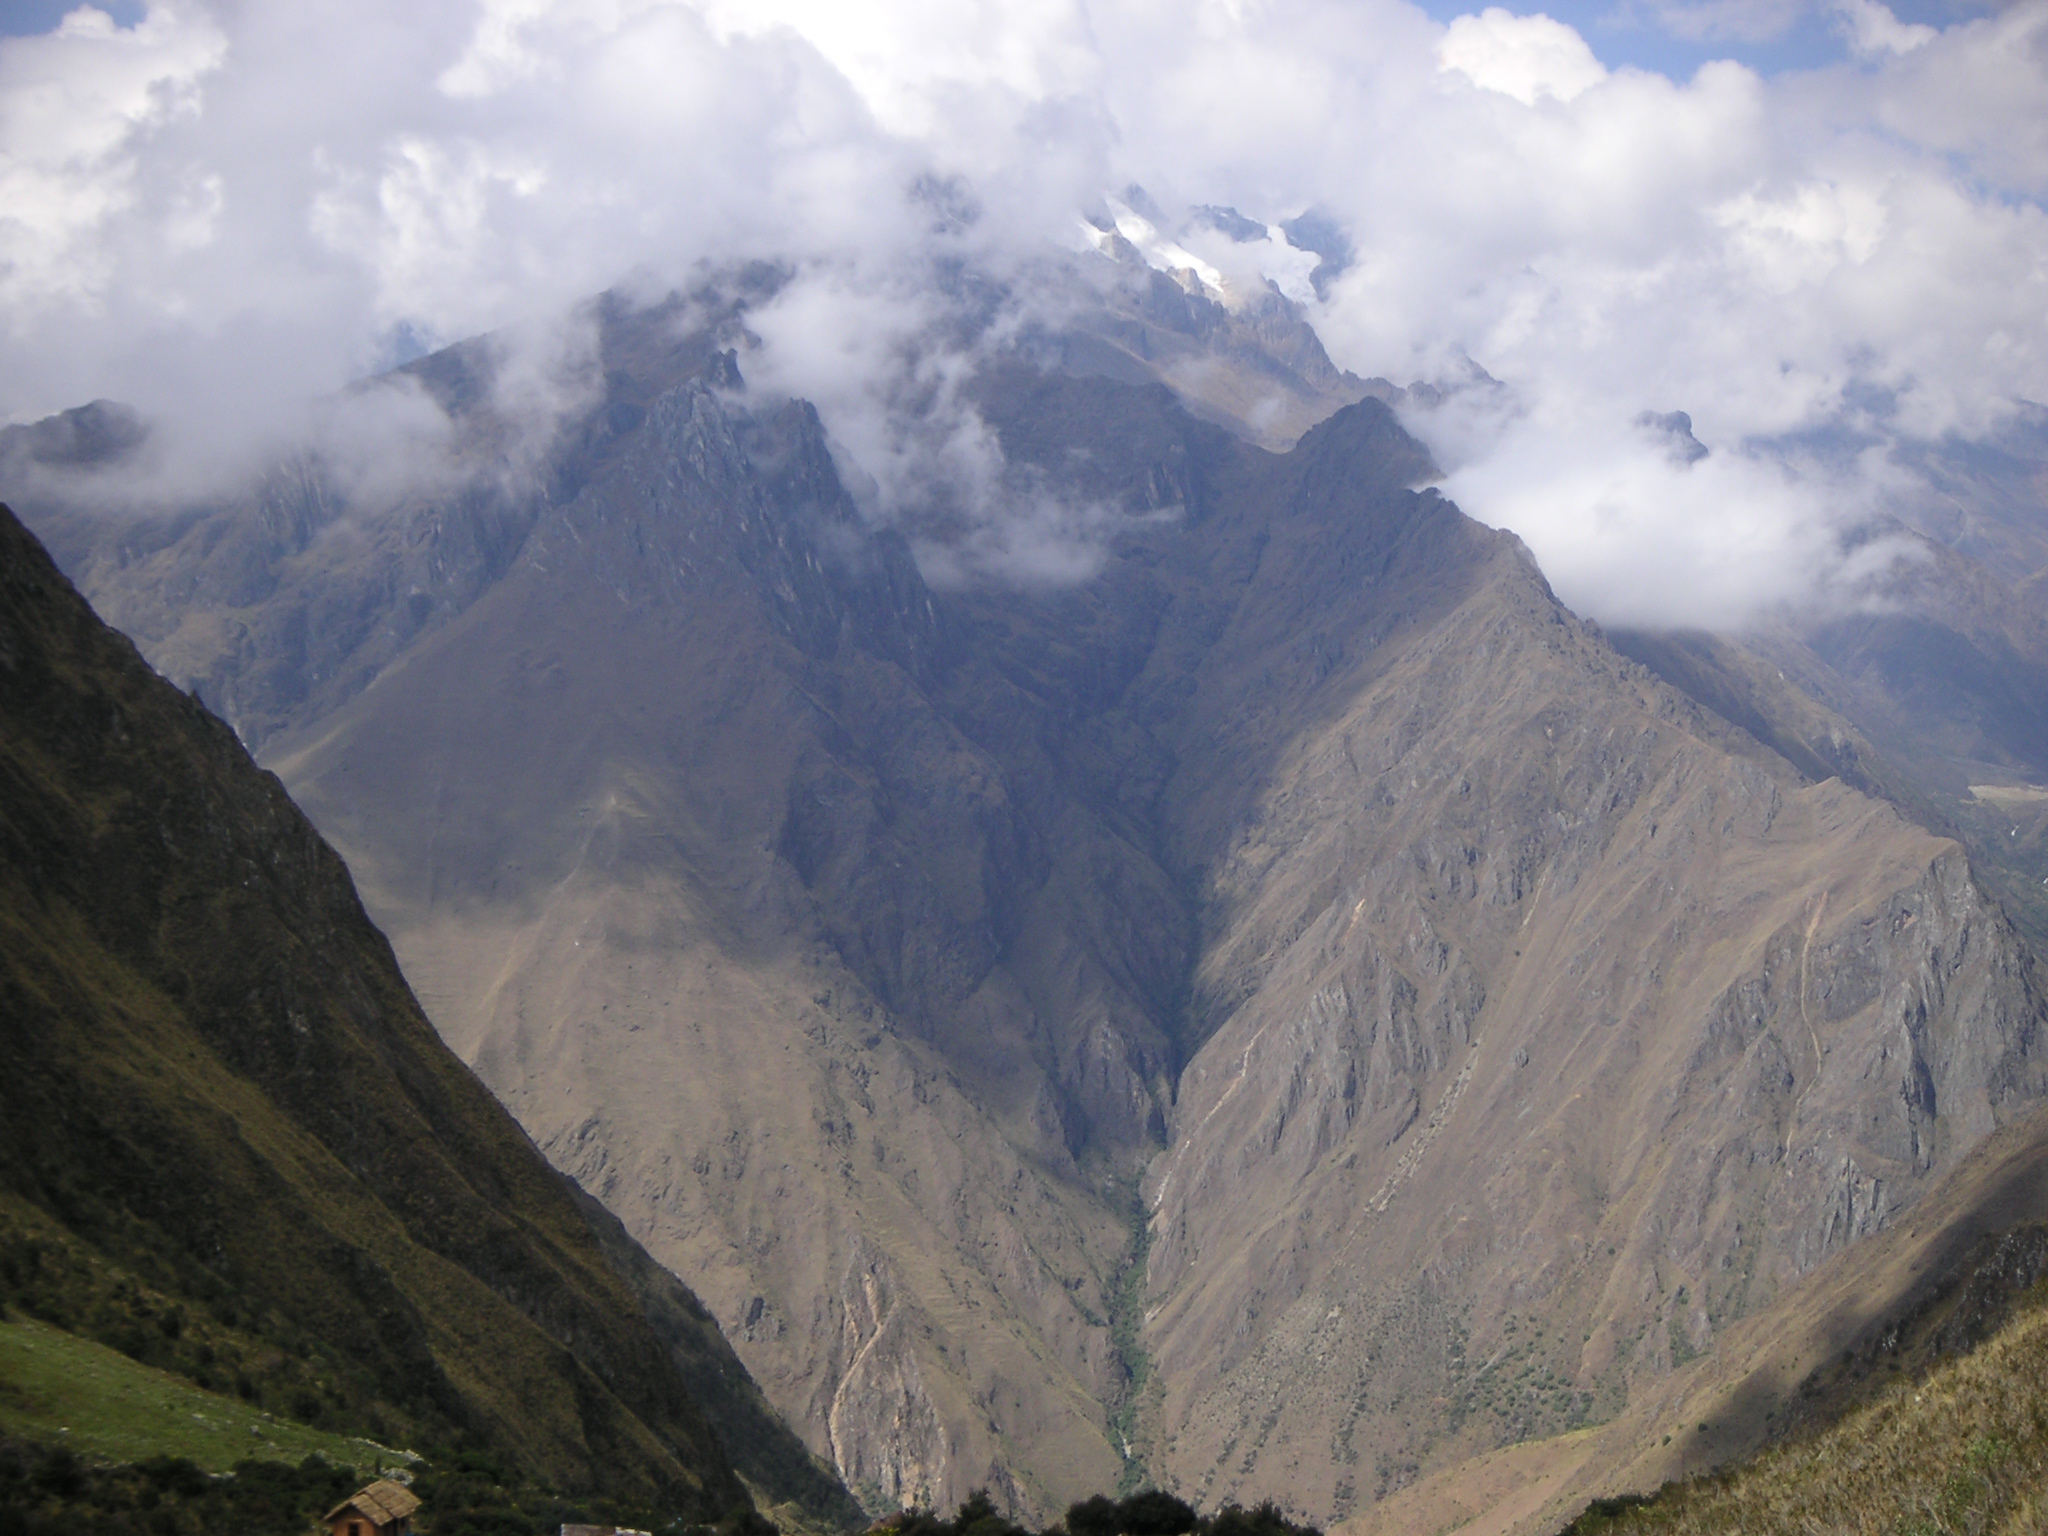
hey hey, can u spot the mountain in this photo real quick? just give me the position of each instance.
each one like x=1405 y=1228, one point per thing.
x=1927 y=691
x=1254 y=366
x=1293 y=1011
x=234 y=1145
x=1536 y=1021
x=1899 y=1381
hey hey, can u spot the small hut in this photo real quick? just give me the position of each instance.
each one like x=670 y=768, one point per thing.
x=382 y=1509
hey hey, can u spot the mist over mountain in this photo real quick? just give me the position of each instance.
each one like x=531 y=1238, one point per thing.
x=1847 y=248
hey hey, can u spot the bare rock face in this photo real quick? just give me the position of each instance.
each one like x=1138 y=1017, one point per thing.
x=1273 y=1018
x=1498 y=1136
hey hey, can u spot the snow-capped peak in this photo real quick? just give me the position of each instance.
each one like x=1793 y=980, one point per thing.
x=1253 y=253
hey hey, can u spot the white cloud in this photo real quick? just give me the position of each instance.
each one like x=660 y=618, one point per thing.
x=1525 y=57
x=913 y=61
x=231 y=207
x=73 y=104
x=889 y=361
x=1874 y=31
x=1639 y=536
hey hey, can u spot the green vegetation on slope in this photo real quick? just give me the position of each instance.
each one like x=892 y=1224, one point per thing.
x=1961 y=1452
x=1137 y=1391
x=59 y=1388
x=212 y=1338
x=51 y=1491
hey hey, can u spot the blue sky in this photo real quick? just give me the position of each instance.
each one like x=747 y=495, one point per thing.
x=26 y=18
x=1621 y=33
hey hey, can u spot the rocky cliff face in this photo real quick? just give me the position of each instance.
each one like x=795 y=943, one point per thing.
x=1573 y=1098
x=1290 y=1010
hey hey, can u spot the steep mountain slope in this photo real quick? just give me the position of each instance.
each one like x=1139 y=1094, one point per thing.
x=1279 y=1016
x=1961 y=1450
x=222 y=1100
x=1835 y=1367
x=674 y=841
x=1537 y=1016
x=1338 y=755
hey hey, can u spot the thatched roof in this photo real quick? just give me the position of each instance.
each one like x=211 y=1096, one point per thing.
x=381 y=1503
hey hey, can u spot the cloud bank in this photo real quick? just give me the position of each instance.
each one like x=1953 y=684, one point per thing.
x=237 y=206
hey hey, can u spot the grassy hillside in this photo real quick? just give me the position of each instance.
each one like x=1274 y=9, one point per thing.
x=230 y=1143
x=1962 y=1450
x=60 y=1389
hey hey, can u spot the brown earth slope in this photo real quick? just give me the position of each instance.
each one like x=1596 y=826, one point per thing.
x=1832 y=1367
